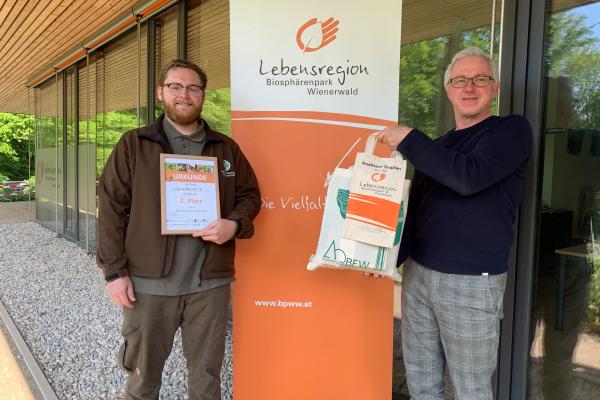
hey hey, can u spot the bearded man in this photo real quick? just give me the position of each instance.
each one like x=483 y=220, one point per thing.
x=165 y=282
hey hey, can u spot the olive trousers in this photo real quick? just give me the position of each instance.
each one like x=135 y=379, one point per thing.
x=149 y=329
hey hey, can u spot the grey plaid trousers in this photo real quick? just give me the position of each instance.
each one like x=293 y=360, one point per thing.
x=450 y=320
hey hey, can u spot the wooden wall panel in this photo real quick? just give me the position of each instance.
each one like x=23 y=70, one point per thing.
x=35 y=33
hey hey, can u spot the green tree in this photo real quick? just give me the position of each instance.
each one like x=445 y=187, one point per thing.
x=15 y=132
x=420 y=84
x=573 y=51
x=217 y=110
x=107 y=130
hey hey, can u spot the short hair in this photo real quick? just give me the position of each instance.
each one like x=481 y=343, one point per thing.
x=182 y=64
x=471 y=52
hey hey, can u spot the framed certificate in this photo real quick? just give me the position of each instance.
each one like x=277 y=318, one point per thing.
x=189 y=193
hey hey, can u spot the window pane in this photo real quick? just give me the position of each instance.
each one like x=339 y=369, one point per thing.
x=87 y=154
x=117 y=92
x=208 y=46
x=69 y=134
x=60 y=213
x=565 y=337
x=165 y=36
x=45 y=154
x=143 y=74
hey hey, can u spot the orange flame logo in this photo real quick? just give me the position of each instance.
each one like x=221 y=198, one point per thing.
x=315 y=35
x=378 y=176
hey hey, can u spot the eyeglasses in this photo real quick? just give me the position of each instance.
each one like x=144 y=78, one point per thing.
x=479 y=81
x=178 y=88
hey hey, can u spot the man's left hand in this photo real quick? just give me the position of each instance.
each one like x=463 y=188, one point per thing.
x=219 y=231
x=392 y=136
x=372 y=275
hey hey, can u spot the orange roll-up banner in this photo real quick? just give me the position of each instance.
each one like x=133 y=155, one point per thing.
x=309 y=82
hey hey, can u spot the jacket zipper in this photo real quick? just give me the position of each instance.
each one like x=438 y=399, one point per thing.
x=164 y=143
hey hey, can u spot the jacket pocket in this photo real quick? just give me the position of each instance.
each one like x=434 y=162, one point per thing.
x=219 y=259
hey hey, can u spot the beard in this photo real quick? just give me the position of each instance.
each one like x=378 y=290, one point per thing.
x=182 y=117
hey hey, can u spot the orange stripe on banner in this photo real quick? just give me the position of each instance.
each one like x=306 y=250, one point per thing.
x=377 y=210
x=338 y=117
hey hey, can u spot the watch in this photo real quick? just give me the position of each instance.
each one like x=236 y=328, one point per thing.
x=111 y=277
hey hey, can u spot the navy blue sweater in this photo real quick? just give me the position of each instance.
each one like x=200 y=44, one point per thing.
x=464 y=196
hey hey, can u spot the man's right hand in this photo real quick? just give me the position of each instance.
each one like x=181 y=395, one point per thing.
x=121 y=292
x=392 y=136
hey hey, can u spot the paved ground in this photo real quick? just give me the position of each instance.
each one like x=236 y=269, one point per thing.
x=15 y=385
x=15 y=382
x=18 y=211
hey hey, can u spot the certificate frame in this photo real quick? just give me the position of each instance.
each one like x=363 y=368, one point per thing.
x=189 y=193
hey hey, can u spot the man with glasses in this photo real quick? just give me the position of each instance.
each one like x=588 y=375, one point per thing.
x=168 y=282
x=459 y=230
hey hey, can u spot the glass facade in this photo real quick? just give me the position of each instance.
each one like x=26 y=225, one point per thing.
x=80 y=118
x=564 y=357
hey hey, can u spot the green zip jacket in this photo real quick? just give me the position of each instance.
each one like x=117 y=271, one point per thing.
x=129 y=241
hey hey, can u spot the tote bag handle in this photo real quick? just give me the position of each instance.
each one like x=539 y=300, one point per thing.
x=372 y=142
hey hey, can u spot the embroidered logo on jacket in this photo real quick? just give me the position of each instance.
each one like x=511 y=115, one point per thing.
x=226 y=169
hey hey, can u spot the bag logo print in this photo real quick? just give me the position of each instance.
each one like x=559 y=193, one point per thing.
x=378 y=176
x=338 y=255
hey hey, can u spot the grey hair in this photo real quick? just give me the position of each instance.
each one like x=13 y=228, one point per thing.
x=467 y=53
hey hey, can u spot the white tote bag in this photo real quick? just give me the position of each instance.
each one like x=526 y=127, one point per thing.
x=333 y=251
x=376 y=191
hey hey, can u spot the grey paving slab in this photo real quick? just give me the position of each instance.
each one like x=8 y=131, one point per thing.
x=18 y=211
